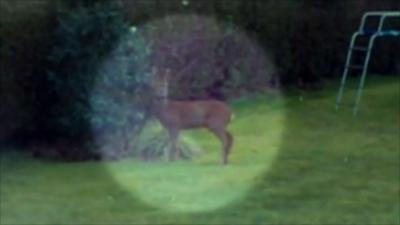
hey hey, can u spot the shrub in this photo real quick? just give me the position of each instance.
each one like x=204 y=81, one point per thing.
x=82 y=37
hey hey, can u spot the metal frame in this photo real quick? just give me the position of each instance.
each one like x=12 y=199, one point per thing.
x=362 y=31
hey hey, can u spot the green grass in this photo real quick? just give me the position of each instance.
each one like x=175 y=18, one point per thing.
x=294 y=162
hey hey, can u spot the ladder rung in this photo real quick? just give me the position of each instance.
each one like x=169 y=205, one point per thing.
x=356 y=67
x=358 y=48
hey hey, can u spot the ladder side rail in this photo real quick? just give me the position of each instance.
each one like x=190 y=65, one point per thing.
x=382 y=19
x=346 y=69
x=367 y=59
x=363 y=20
x=364 y=73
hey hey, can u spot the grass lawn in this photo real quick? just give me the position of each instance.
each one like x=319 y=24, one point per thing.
x=293 y=162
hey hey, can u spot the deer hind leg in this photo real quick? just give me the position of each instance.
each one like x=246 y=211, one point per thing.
x=230 y=142
x=227 y=146
x=226 y=139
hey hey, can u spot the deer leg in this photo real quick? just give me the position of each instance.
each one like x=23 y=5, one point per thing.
x=174 y=152
x=226 y=139
x=230 y=141
x=178 y=153
x=227 y=146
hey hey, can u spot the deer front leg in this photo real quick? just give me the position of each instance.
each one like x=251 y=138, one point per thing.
x=174 y=151
x=178 y=153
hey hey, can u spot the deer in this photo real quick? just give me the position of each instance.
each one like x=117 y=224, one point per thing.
x=179 y=115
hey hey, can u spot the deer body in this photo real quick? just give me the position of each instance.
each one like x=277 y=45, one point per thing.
x=176 y=116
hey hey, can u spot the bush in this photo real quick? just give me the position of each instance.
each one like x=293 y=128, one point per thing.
x=82 y=37
x=117 y=99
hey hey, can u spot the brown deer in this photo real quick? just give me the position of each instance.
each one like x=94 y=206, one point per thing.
x=176 y=116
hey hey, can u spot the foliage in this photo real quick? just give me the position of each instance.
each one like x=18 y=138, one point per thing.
x=81 y=39
x=205 y=59
x=119 y=110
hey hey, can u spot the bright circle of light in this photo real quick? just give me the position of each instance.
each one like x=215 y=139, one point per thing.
x=204 y=184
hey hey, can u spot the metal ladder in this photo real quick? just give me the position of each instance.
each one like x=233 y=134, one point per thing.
x=371 y=33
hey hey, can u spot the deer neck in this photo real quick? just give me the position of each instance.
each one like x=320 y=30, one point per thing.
x=160 y=100
x=159 y=105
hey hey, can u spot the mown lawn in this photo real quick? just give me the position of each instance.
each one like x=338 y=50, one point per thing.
x=294 y=162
